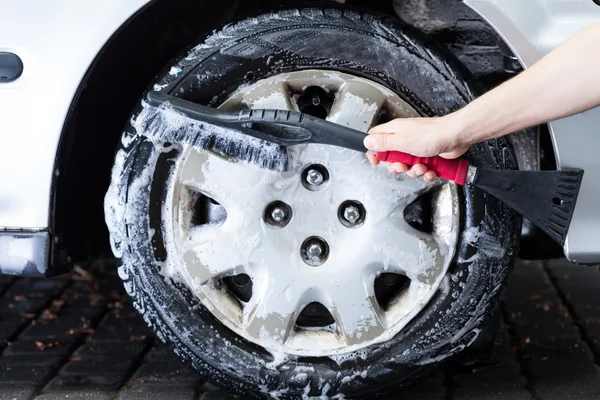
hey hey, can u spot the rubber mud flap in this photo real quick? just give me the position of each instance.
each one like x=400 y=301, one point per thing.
x=377 y=48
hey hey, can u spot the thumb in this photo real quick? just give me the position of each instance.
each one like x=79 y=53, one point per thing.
x=454 y=153
x=383 y=142
x=388 y=127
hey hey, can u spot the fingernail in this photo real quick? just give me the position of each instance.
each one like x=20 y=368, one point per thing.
x=419 y=173
x=370 y=142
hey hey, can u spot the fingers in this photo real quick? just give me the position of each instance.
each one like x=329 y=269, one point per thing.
x=397 y=168
x=417 y=171
x=373 y=158
x=429 y=176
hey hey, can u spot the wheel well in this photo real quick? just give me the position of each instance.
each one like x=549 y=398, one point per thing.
x=109 y=91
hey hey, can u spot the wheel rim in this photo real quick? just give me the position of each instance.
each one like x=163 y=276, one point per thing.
x=243 y=237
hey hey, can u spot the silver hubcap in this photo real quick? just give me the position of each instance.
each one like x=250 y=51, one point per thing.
x=320 y=255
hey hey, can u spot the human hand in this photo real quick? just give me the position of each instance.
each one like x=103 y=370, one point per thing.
x=422 y=137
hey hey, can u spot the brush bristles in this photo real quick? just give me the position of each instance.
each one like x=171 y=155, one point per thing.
x=167 y=125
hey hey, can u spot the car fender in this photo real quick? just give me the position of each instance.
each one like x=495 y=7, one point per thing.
x=57 y=45
x=57 y=42
x=532 y=28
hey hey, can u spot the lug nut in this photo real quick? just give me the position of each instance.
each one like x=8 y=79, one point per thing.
x=351 y=214
x=278 y=214
x=314 y=177
x=314 y=251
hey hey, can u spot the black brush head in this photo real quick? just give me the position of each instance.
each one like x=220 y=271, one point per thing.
x=166 y=124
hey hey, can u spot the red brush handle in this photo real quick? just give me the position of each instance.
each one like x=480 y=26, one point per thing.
x=454 y=170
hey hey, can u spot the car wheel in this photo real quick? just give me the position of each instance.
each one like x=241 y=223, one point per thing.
x=334 y=277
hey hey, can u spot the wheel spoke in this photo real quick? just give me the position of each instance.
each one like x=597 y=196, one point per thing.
x=209 y=253
x=402 y=249
x=275 y=96
x=227 y=181
x=357 y=314
x=389 y=195
x=358 y=104
x=272 y=312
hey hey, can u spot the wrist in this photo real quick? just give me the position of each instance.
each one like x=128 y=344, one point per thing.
x=457 y=131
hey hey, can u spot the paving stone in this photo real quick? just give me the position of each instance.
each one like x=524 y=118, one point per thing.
x=209 y=387
x=552 y=380
x=103 y=368
x=547 y=331
x=69 y=307
x=109 y=351
x=92 y=383
x=502 y=376
x=175 y=373
x=561 y=349
x=161 y=353
x=223 y=396
x=427 y=387
x=27 y=296
x=469 y=393
x=29 y=360
x=23 y=305
x=20 y=391
x=36 y=287
x=105 y=376
x=11 y=324
x=5 y=282
x=41 y=347
x=539 y=307
x=550 y=369
x=122 y=325
x=18 y=371
x=159 y=392
x=77 y=394
x=60 y=328
x=420 y=393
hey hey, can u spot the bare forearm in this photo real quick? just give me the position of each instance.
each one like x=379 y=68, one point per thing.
x=565 y=82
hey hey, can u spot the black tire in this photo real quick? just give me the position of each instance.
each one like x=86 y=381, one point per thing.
x=377 y=48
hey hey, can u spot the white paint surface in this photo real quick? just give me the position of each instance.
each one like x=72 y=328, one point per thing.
x=57 y=41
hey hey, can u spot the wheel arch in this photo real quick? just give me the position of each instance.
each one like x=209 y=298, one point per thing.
x=129 y=60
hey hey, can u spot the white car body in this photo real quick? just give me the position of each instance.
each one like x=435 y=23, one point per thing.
x=61 y=39
x=55 y=61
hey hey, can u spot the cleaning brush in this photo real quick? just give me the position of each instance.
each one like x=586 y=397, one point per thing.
x=546 y=198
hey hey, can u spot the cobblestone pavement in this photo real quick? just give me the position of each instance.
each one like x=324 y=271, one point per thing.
x=77 y=337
